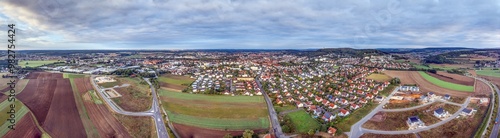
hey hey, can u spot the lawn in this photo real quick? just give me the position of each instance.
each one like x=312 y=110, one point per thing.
x=284 y=108
x=447 y=85
x=419 y=66
x=303 y=122
x=488 y=72
x=346 y=123
x=94 y=97
x=176 y=79
x=379 y=77
x=35 y=63
x=216 y=111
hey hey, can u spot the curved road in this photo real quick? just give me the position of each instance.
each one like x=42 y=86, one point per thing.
x=154 y=112
x=422 y=128
x=496 y=127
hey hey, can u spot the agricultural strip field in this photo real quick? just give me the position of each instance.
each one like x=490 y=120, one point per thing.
x=90 y=129
x=186 y=131
x=413 y=77
x=453 y=78
x=35 y=63
x=26 y=128
x=20 y=85
x=303 y=122
x=379 y=77
x=71 y=75
x=106 y=124
x=447 y=85
x=215 y=111
x=488 y=72
x=47 y=96
x=20 y=112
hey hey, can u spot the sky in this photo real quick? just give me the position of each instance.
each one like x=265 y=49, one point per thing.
x=251 y=24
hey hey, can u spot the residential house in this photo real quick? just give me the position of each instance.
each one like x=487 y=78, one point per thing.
x=327 y=116
x=414 y=122
x=332 y=131
x=354 y=106
x=343 y=112
x=467 y=112
x=440 y=113
x=447 y=97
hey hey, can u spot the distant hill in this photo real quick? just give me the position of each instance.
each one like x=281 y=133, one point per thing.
x=343 y=52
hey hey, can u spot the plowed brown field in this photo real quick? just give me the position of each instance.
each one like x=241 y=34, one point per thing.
x=413 y=77
x=481 y=89
x=494 y=80
x=453 y=78
x=25 y=128
x=196 y=132
x=106 y=123
x=51 y=100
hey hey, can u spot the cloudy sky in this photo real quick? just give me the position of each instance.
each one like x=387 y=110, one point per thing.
x=251 y=24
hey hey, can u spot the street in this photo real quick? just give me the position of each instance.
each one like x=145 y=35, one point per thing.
x=153 y=112
x=276 y=128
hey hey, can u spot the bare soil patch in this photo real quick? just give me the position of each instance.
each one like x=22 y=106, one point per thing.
x=481 y=89
x=494 y=80
x=186 y=131
x=461 y=127
x=369 y=135
x=138 y=126
x=133 y=99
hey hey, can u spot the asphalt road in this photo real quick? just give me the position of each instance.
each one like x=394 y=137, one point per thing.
x=272 y=113
x=356 y=130
x=419 y=106
x=422 y=128
x=153 y=112
x=496 y=127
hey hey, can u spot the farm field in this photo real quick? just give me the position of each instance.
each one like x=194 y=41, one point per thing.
x=447 y=85
x=413 y=77
x=397 y=120
x=379 y=77
x=106 y=124
x=215 y=111
x=35 y=63
x=457 y=127
x=186 y=131
x=453 y=78
x=488 y=72
x=72 y=75
x=20 y=85
x=28 y=127
x=135 y=97
x=90 y=129
x=482 y=89
x=174 y=82
x=494 y=80
x=20 y=112
x=47 y=95
x=303 y=122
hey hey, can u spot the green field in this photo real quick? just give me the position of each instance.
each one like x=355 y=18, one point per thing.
x=71 y=75
x=35 y=63
x=488 y=72
x=418 y=66
x=216 y=111
x=94 y=96
x=379 y=77
x=213 y=98
x=109 y=84
x=303 y=122
x=176 y=79
x=284 y=108
x=21 y=110
x=346 y=123
x=447 y=85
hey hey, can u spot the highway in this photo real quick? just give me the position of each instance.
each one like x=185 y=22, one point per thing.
x=276 y=128
x=153 y=112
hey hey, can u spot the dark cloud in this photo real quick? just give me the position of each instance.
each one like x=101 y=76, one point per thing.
x=256 y=24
